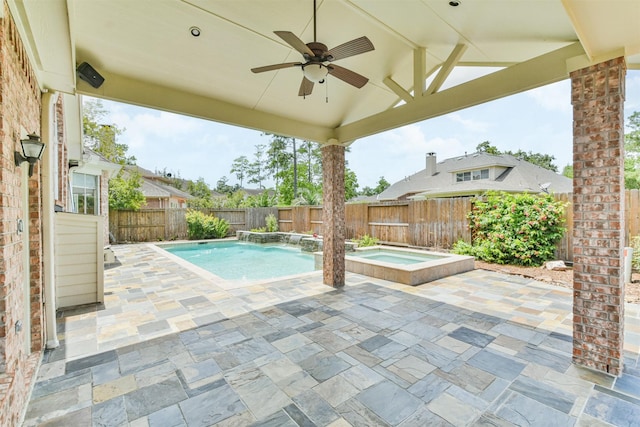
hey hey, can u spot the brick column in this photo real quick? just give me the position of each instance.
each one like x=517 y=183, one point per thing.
x=333 y=233
x=597 y=95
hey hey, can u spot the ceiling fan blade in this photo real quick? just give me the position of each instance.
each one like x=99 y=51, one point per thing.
x=347 y=76
x=293 y=41
x=354 y=47
x=306 y=87
x=275 y=67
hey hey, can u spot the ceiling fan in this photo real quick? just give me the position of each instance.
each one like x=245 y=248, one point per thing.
x=318 y=60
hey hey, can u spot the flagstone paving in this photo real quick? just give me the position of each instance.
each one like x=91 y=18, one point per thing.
x=173 y=346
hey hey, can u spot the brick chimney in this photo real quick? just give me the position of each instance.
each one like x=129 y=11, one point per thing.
x=431 y=164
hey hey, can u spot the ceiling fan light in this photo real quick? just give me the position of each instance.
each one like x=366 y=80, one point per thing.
x=315 y=72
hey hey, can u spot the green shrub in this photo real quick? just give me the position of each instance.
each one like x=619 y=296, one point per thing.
x=520 y=229
x=272 y=223
x=259 y=230
x=201 y=226
x=366 y=240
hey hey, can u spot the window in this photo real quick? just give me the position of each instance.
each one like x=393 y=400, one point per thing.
x=85 y=194
x=472 y=175
x=480 y=174
x=463 y=176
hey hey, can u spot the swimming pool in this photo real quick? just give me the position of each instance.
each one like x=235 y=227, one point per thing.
x=233 y=260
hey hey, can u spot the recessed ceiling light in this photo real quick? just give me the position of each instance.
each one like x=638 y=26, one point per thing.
x=454 y=3
x=195 y=31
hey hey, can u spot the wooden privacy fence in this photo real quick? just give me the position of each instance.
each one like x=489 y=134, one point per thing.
x=435 y=223
x=152 y=225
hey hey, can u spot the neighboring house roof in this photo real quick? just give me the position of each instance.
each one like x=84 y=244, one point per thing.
x=151 y=188
x=154 y=187
x=507 y=173
x=94 y=163
x=173 y=191
x=145 y=173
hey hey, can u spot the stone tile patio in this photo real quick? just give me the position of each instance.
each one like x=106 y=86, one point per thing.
x=173 y=346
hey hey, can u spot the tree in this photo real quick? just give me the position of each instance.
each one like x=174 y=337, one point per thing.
x=199 y=189
x=383 y=184
x=124 y=192
x=278 y=159
x=224 y=188
x=257 y=168
x=486 y=147
x=350 y=184
x=311 y=155
x=201 y=193
x=124 y=189
x=295 y=168
x=102 y=138
x=632 y=152
x=568 y=171
x=542 y=160
x=240 y=167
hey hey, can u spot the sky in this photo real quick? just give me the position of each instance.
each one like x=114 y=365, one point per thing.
x=539 y=120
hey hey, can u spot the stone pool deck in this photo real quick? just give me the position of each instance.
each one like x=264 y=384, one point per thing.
x=172 y=347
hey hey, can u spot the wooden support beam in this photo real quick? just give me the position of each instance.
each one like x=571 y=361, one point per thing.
x=419 y=71
x=446 y=69
x=397 y=89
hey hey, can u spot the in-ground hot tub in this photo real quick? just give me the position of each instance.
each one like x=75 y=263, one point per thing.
x=403 y=265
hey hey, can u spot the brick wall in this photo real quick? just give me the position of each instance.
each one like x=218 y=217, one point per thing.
x=333 y=214
x=598 y=197
x=19 y=111
x=155 y=203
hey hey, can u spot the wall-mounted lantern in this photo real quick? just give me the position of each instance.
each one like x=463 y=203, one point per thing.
x=32 y=149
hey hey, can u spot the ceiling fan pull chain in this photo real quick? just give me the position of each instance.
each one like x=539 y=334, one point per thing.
x=326 y=88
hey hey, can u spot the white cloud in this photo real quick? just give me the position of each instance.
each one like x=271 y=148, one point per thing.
x=469 y=124
x=553 y=97
x=397 y=154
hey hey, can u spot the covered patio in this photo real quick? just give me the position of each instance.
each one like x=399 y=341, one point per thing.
x=174 y=346
x=196 y=57
x=400 y=63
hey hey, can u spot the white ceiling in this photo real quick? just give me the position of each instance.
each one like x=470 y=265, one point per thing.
x=148 y=57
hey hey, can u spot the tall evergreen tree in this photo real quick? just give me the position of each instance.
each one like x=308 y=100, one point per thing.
x=240 y=167
x=257 y=168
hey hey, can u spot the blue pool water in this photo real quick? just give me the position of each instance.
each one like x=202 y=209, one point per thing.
x=233 y=260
